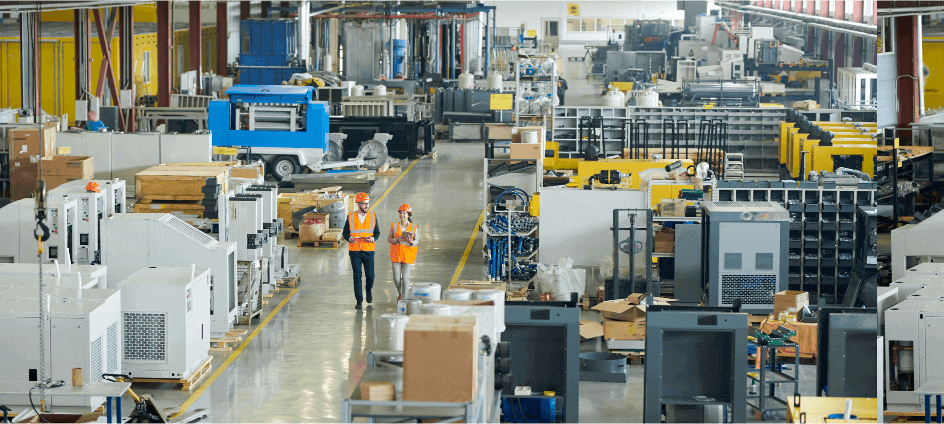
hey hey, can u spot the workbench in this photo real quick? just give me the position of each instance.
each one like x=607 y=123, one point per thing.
x=112 y=392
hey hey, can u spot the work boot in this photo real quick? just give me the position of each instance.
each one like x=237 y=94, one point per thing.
x=369 y=297
x=358 y=305
x=399 y=296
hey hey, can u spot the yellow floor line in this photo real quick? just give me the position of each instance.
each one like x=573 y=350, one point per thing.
x=382 y=196
x=468 y=249
x=206 y=384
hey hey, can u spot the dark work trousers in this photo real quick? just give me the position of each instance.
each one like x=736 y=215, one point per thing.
x=366 y=259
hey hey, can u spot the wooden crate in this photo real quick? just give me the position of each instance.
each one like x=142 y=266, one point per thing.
x=164 y=183
x=187 y=384
x=185 y=208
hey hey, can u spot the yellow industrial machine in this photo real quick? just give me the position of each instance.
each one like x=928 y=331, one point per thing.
x=556 y=162
x=788 y=131
x=803 y=143
x=586 y=169
x=828 y=158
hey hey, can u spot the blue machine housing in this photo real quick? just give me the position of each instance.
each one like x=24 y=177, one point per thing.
x=267 y=53
x=226 y=132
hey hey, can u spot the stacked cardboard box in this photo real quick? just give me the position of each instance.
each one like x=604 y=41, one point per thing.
x=439 y=359
x=625 y=319
x=58 y=170
x=313 y=232
x=28 y=145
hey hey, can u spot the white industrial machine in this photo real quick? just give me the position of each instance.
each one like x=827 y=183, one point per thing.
x=18 y=220
x=73 y=281
x=59 y=273
x=245 y=217
x=91 y=211
x=858 y=87
x=114 y=190
x=914 y=243
x=132 y=241
x=165 y=321
x=914 y=337
x=81 y=334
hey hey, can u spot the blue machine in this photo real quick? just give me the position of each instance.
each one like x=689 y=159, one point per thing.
x=282 y=124
x=268 y=51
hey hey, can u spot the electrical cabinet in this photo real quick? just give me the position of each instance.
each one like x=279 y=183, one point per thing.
x=114 y=191
x=91 y=211
x=165 y=321
x=914 y=343
x=18 y=220
x=132 y=241
x=744 y=251
x=245 y=216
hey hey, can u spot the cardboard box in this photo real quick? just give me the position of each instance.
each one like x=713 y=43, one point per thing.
x=77 y=377
x=378 y=391
x=640 y=298
x=25 y=178
x=806 y=105
x=310 y=233
x=32 y=142
x=590 y=330
x=790 y=301
x=621 y=310
x=672 y=208
x=479 y=285
x=323 y=217
x=53 y=181
x=79 y=167
x=440 y=359
x=245 y=171
x=664 y=241
x=624 y=330
x=331 y=236
x=526 y=151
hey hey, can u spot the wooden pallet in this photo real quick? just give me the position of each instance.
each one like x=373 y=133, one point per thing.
x=292 y=282
x=243 y=320
x=290 y=234
x=632 y=357
x=268 y=296
x=224 y=344
x=188 y=383
x=235 y=332
x=169 y=198
x=320 y=244
x=393 y=171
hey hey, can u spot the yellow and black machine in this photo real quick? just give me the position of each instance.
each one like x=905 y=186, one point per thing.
x=824 y=146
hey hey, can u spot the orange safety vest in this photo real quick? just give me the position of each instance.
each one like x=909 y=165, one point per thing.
x=357 y=231
x=401 y=252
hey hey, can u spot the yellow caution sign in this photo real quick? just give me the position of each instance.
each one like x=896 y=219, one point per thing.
x=573 y=9
x=532 y=33
x=501 y=102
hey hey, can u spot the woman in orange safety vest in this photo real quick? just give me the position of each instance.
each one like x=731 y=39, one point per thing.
x=403 y=241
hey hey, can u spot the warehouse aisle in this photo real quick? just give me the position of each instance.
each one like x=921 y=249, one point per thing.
x=296 y=368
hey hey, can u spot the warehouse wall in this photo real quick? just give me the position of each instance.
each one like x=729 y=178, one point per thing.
x=530 y=13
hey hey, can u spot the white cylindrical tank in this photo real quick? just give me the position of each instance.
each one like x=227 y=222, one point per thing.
x=494 y=81
x=648 y=98
x=380 y=90
x=614 y=98
x=457 y=294
x=327 y=63
x=357 y=90
x=466 y=80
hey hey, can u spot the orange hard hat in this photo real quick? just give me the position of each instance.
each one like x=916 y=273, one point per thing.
x=405 y=208
x=361 y=197
x=92 y=186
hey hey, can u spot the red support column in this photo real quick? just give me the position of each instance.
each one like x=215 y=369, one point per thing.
x=823 y=34
x=222 y=35
x=164 y=35
x=798 y=6
x=857 y=12
x=107 y=63
x=103 y=69
x=824 y=9
x=841 y=10
x=811 y=7
x=195 y=36
x=907 y=45
x=243 y=10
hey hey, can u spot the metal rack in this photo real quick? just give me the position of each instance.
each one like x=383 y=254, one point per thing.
x=500 y=173
x=769 y=379
x=527 y=77
x=567 y=126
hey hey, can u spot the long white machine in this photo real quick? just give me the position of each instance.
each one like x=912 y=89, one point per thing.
x=132 y=241
x=93 y=276
x=917 y=242
x=115 y=191
x=165 y=321
x=81 y=334
x=17 y=222
x=91 y=211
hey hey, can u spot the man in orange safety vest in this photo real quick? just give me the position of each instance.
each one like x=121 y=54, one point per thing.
x=360 y=231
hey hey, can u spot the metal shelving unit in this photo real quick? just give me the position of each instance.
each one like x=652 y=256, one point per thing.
x=769 y=379
x=566 y=130
x=535 y=79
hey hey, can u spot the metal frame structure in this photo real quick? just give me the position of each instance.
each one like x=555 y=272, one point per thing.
x=612 y=290
x=772 y=378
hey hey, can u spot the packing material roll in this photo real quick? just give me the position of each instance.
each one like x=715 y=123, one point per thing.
x=426 y=292
x=408 y=306
x=435 y=309
x=497 y=296
x=457 y=294
x=389 y=330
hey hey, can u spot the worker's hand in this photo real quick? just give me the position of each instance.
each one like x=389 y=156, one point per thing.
x=369 y=239
x=352 y=240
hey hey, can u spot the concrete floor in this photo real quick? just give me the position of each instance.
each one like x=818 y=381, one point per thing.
x=296 y=367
